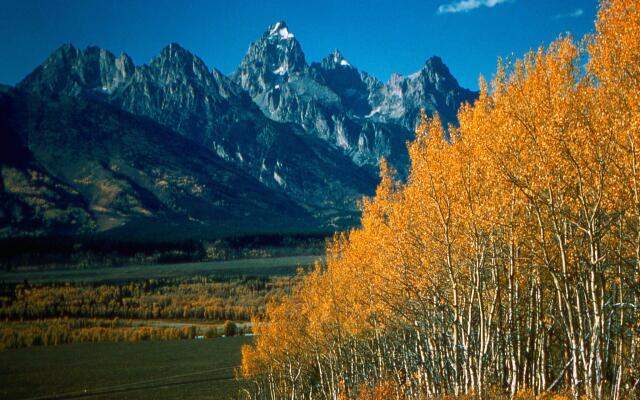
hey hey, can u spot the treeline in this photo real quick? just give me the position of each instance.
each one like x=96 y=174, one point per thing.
x=53 y=332
x=98 y=251
x=199 y=298
x=508 y=263
x=91 y=252
x=266 y=246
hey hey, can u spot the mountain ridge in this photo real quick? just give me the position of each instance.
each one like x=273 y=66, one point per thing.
x=349 y=109
x=124 y=169
x=311 y=134
x=177 y=90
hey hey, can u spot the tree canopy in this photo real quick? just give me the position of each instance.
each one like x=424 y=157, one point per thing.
x=508 y=262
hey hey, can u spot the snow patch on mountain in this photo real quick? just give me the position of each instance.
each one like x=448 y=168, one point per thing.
x=281 y=70
x=279 y=179
x=374 y=112
x=281 y=30
x=221 y=152
x=285 y=34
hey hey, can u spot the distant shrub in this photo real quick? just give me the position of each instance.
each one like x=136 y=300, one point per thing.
x=210 y=333
x=230 y=328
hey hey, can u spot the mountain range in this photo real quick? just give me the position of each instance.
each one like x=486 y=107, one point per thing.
x=92 y=142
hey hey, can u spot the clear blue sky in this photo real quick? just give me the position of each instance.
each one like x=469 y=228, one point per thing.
x=378 y=36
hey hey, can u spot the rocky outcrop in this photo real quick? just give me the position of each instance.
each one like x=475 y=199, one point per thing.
x=177 y=90
x=349 y=109
x=174 y=140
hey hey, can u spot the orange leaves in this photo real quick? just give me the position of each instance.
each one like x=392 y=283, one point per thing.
x=616 y=47
x=511 y=231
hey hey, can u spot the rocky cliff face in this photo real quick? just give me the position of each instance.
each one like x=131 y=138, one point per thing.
x=432 y=88
x=345 y=81
x=271 y=60
x=308 y=136
x=69 y=71
x=350 y=110
x=177 y=90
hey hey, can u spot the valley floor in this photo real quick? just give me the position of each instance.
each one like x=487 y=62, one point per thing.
x=109 y=333
x=261 y=267
x=193 y=369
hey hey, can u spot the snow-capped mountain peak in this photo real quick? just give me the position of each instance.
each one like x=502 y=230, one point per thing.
x=270 y=60
x=311 y=134
x=280 y=30
x=338 y=58
x=334 y=101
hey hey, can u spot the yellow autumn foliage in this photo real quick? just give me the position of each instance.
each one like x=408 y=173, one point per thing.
x=507 y=265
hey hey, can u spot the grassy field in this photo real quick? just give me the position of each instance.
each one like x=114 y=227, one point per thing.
x=189 y=369
x=246 y=267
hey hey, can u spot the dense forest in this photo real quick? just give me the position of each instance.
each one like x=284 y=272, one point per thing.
x=185 y=298
x=28 y=253
x=50 y=314
x=57 y=331
x=507 y=265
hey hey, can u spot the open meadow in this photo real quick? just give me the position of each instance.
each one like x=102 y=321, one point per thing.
x=133 y=332
x=190 y=369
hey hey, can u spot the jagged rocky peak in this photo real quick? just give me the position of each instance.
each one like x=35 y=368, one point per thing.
x=125 y=65
x=335 y=60
x=279 y=31
x=94 y=62
x=435 y=63
x=346 y=81
x=271 y=60
x=372 y=83
x=176 y=72
x=174 y=51
x=72 y=71
x=178 y=90
x=437 y=73
x=431 y=88
x=174 y=58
